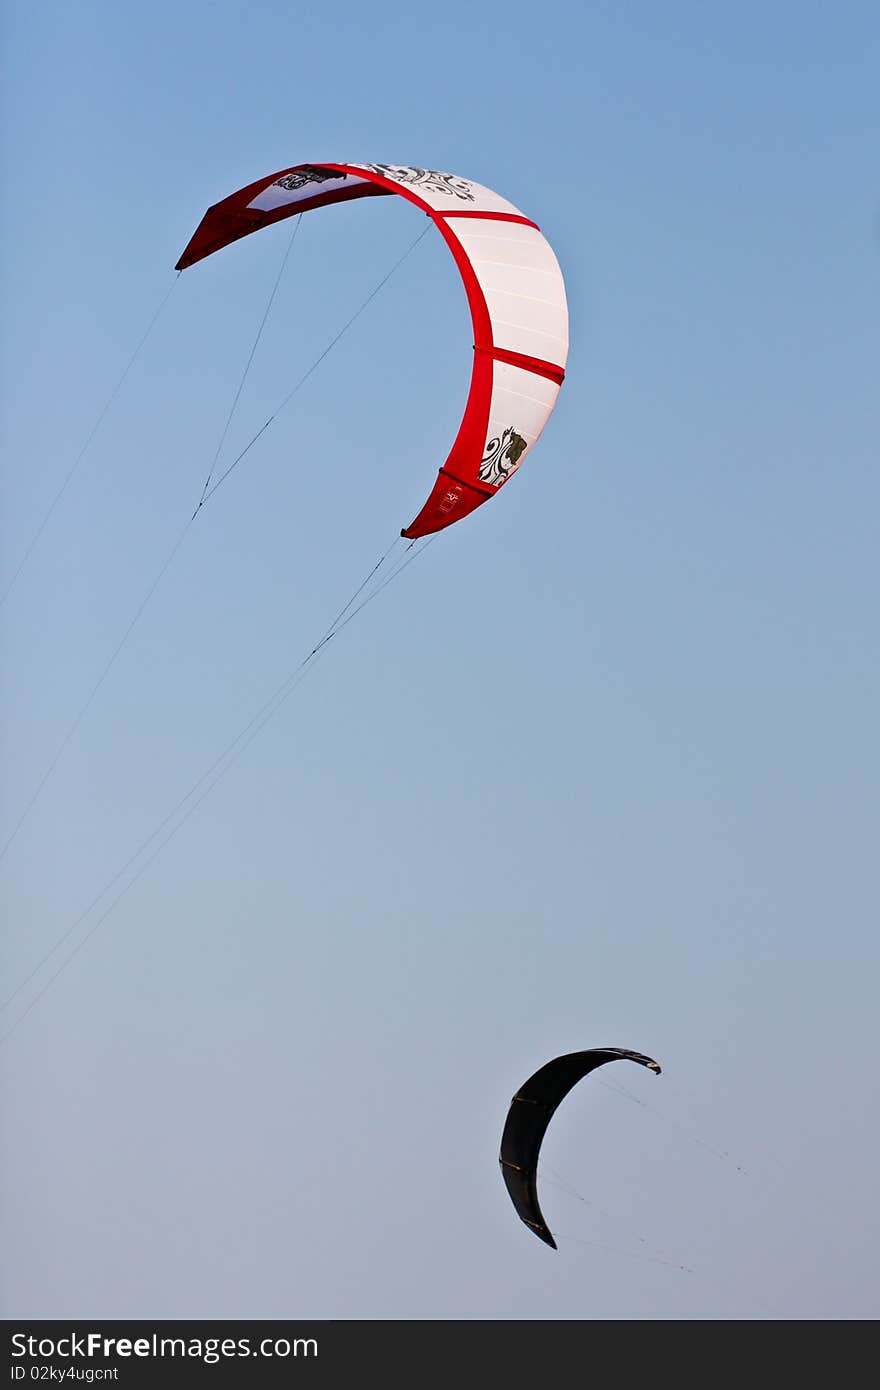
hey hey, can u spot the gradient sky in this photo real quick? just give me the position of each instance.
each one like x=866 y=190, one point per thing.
x=600 y=769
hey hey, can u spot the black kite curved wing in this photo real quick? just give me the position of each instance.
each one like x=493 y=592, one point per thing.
x=531 y=1111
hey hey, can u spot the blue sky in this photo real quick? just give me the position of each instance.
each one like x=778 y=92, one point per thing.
x=600 y=768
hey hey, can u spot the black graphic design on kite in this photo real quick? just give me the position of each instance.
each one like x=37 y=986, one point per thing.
x=531 y=1111
x=515 y=293
x=432 y=179
x=502 y=456
x=308 y=173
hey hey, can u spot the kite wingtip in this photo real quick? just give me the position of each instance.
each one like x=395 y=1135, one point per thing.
x=542 y=1231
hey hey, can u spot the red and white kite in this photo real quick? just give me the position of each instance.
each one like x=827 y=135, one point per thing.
x=515 y=291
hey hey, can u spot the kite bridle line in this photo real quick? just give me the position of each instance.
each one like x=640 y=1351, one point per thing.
x=207 y=492
x=722 y=1154
x=214 y=774
x=167 y=562
x=305 y=376
x=235 y=399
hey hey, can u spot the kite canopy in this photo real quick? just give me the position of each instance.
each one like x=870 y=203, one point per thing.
x=531 y=1111
x=515 y=291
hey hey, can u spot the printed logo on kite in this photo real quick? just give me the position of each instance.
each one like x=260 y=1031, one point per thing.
x=449 y=500
x=432 y=180
x=307 y=174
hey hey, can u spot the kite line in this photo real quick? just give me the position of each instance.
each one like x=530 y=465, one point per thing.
x=85 y=448
x=207 y=492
